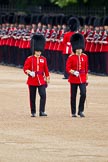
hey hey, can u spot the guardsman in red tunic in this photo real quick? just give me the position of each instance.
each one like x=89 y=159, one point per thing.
x=11 y=40
x=81 y=28
x=48 y=34
x=26 y=39
x=39 y=25
x=19 y=42
x=4 y=38
x=89 y=39
x=60 y=42
x=101 y=58
x=86 y=32
x=52 y=44
x=104 y=47
x=33 y=24
x=55 y=48
x=93 y=50
x=77 y=67
x=61 y=29
x=38 y=74
x=67 y=50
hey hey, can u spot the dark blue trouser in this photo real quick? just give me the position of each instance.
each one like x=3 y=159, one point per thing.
x=42 y=94
x=74 y=88
x=65 y=57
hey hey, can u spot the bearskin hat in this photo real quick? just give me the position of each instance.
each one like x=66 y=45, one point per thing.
x=96 y=22
x=105 y=21
x=3 y=20
x=45 y=20
x=11 y=19
x=64 y=20
x=77 y=41
x=34 y=19
x=37 y=43
x=20 y=19
x=50 y=20
x=59 y=19
x=0 y=20
x=87 y=19
x=81 y=20
x=101 y=21
x=27 y=19
x=73 y=23
x=39 y=19
x=91 y=21
x=54 y=21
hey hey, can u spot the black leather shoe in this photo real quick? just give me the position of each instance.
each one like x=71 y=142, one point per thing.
x=81 y=114
x=74 y=115
x=33 y=115
x=65 y=78
x=42 y=114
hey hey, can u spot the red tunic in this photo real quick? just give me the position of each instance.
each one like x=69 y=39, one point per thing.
x=12 y=40
x=67 y=48
x=18 y=38
x=104 y=44
x=79 y=63
x=88 y=40
x=26 y=40
x=57 y=40
x=93 y=42
x=47 y=36
x=4 y=37
x=39 y=66
x=53 y=40
x=98 y=45
x=60 y=45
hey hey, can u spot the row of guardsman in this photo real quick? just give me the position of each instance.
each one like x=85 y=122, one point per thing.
x=16 y=32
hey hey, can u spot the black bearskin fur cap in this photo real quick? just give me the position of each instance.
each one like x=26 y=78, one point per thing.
x=37 y=43
x=77 y=41
x=105 y=21
x=73 y=23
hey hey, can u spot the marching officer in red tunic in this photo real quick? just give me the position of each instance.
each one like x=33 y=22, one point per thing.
x=77 y=67
x=38 y=74
x=67 y=50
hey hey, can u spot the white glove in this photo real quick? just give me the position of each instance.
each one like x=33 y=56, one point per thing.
x=32 y=74
x=76 y=73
